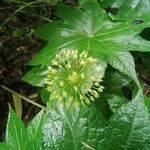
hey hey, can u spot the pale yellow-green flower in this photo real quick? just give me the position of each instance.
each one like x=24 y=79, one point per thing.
x=74 y=77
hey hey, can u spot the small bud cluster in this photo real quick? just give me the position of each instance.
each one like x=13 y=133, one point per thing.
x=74 y=77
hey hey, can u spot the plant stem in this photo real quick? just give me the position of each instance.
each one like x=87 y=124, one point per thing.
x=22 y=97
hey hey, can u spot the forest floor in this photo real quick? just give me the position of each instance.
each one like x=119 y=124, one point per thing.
x=18 y=44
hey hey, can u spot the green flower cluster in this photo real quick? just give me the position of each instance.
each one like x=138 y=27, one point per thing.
x=74 y=77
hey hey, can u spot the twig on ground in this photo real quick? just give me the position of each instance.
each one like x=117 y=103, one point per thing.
x=22 y=97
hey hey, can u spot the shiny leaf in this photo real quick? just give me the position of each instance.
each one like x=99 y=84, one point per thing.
x=72 y=128
x=35 y=76
x=106 y=3
x=124 y=62
x=45 y=95
x=115 y=80
x=84 y=127
x=82 y=2
x=91 y=30
x=129 y=127
x=5 y=146
x=34 y=130
x=16 y=135
x=147 y=102
x=115 y=102
x=134 y=10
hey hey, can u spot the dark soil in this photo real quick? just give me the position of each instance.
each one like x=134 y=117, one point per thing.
x=18 y=44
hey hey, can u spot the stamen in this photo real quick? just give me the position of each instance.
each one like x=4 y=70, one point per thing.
x=77 y=78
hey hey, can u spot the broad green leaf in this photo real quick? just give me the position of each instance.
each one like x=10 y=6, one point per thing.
x=18 y=138
x=93 y=32
x=5 y=146
x=128 y=10
x=82 y=2
x=147 y=102
x=35 y=76
x=134 y=9
x=34 y=130
x=129 y=127
x=115 y=102
x=45 y=95
x=115 y=80
x=124 y=62
x=72 y=128
x=16 y=135
x=48 y=30
x=106 y=3
x=73 y=15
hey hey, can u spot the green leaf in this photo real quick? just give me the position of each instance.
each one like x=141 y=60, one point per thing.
x=129 y=127
x=73 y=15
x=34 y=130
x=115 y=80
x=5 y=146
x=90 y=29
x=18 y=138
x=128 y=10
x=93 y=32
x=135 y=9
x=106 y=3
x=124 y=62
x=35 y=76
x=45 y=95
x=72 y=128
x=48 y=30
x=16 y=135
x=115 y=102
x=147 y=102
x=79 y=128
x=82 y=2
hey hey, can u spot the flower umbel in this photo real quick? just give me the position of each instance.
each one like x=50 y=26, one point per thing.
x=74 y=77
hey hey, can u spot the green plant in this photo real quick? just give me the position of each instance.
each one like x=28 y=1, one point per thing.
x=104 y=120
x=21 y=138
